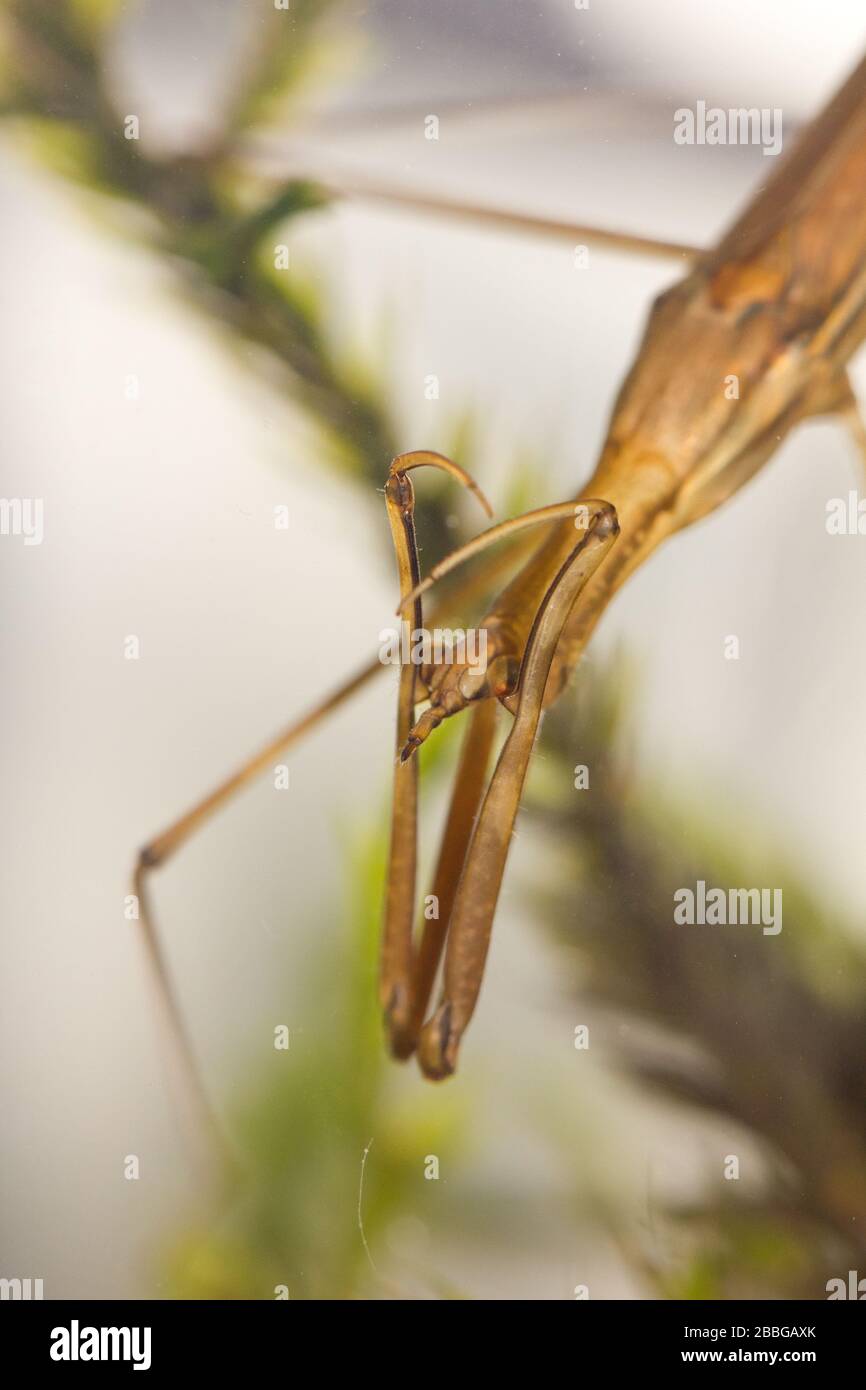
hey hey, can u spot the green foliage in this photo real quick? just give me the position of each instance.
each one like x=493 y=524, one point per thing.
x=215 y=226
x=779 y=1022
x=302 y=1125
x=201 y=214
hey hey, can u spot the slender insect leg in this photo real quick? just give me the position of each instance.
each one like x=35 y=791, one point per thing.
x=478 y=890
x=580 y=512
x=395 y=976
x=462 y=810
x=159 y=850
x=511 y=220
x=395 y=981
x=193 y=1095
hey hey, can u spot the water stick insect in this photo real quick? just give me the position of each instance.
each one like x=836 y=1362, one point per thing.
x=779 y=304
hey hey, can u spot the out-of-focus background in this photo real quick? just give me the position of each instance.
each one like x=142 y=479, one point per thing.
x=165 y=387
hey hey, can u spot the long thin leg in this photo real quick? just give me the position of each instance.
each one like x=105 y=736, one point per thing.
x=581 y=512
x=395 y=981
x=462 y=810
x=478 y=890
x=170 y=841
x=159 y=850
x=354 y=185
x=561 y=229
x=395 y=977
x=407 y=984
x=193 y=1095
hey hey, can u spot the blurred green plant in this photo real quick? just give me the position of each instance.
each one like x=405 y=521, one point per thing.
x=298 y=1216
x=204 y=214
x=777 y=1023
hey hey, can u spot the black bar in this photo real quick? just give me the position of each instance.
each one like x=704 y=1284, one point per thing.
x=230 y=1338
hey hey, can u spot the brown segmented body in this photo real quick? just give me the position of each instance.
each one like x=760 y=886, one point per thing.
x=780 y=303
